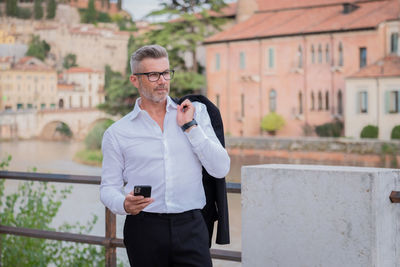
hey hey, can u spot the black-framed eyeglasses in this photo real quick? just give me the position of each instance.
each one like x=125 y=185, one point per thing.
x=155 y=76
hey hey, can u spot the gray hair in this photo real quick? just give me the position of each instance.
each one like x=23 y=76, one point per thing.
x=147 y=51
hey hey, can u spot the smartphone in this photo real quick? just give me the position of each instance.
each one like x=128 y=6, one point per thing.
x=142 y=190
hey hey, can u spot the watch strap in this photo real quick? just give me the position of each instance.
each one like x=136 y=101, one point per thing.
x=188 y=125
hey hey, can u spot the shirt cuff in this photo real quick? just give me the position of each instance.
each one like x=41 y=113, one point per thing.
x=196 y=136
x=120 y=205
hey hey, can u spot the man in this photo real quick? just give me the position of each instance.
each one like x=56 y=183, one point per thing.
x=164 y=145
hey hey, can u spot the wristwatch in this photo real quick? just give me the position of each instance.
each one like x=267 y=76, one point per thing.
x=188 y=125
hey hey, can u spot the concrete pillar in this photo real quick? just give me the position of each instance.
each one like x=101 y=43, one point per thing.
x=300 y=215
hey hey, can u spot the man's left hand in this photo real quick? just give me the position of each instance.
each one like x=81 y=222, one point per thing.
x=185 y=112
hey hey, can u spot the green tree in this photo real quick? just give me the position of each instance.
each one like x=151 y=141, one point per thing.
x=11 y=8
x=91 y=13
x=194 y=23
x=94 y=138
x=38 y=9
x=69 y=61
x=51 y=9
x=38 y=48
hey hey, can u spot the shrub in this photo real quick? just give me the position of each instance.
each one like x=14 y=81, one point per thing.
x=330 y=129
x=95 y=136
x=272 y=122
x=24 y=13
x=370 y=131
x=64 y=129
x=395 y=132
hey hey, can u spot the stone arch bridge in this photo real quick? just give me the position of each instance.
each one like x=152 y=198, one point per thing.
x=42 y=124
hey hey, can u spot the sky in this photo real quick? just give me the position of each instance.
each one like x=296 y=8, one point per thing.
x=139 y=8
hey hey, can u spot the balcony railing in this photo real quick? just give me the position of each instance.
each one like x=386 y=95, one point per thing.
x=109 y=241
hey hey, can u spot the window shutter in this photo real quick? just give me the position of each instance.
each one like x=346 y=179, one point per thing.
x=398 y=101
x=366 y=102
x=387 y=101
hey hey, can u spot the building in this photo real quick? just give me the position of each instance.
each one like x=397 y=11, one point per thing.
x=81 y=88
x=94 y=47
x=373 y=98
x=27 y=84
x=107 y=6
x=292 y=58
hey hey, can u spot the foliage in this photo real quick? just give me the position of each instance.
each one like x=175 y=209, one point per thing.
x=64 y=129
x=330 y=129
x=93 y=139
x=370 y=131
x=186 y=32
x=308 y=130
x=51 y=9
x=11 y=8
x=395 y=132
x=120 y=93
x=69 y=61
x=186 y=83
x=35 y=205
x=38 y=48
x=103 y=17
x=391 y=151
x=38 y=9
x=123 y=23
x=24 y=13
x=89 y=157
x=272 y=122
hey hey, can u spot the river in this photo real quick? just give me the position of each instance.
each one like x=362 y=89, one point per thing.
x=84 y=201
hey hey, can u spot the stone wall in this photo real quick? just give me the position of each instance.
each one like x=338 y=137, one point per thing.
x=306 y=215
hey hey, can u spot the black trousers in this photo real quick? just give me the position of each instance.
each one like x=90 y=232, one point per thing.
x=163 y=240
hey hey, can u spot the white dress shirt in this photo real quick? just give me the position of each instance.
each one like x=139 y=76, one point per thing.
x=137 y=152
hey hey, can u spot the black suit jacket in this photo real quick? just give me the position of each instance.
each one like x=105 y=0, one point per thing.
x=216 y=208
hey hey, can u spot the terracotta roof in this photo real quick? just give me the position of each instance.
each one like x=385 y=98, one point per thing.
x=386 y=67
x=310 y=20
x=284 y=4
x=227 y=11
x=5 y=59
x=79 y=70
x=65 y=87
x=32 y=64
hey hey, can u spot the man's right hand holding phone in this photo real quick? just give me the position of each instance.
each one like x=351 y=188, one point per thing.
x=135 y=204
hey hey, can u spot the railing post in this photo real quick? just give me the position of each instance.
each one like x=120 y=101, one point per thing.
x=111 y=251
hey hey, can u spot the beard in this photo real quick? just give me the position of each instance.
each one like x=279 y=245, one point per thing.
x=157 y=94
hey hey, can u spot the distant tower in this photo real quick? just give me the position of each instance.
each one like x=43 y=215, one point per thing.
x=245 y=8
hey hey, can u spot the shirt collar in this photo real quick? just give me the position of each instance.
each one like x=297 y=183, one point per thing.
x=171 y=105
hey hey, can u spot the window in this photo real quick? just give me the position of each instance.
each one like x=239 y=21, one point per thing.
x=363 y=102
x=242 y=60
x=29 y=106
x=20 y=106
x=272 y=100
x=341 y=63
x=392 y=102
x=300 y=57
x=312 y=101
x=300 y=103
x=271 y=58
x=242 y=105
x=394 y=42
x=326 y=100
x=52 y=106
x=312 y=54
x=217 y=61
x=319 y=100
x=42 y=106
x=319 y=53
x=327 y=54
x=340 y=102
x=363 y=57
x=217 y=100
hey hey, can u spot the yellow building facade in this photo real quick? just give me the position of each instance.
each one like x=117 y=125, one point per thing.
x=29 y=84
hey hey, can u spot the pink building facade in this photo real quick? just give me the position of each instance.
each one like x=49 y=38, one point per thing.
x=293 y=60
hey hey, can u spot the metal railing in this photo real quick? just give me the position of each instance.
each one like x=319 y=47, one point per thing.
x=109 y=241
